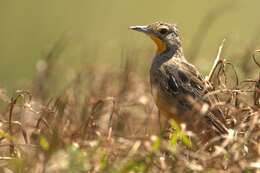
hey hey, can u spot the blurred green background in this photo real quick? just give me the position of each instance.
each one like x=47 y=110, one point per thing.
x=97 y=32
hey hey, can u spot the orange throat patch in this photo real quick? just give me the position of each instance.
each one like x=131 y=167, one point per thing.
x=161 y=46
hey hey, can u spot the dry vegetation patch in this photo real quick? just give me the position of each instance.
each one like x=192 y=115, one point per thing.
x=106 y=121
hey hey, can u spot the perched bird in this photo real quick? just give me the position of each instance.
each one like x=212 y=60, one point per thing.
x=179 y=90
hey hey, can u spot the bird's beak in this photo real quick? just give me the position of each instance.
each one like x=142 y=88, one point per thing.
x=140 y=28
x=161 y=45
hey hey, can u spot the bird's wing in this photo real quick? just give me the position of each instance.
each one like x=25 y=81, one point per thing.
x=183 y=80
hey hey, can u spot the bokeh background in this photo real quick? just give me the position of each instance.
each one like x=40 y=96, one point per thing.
x=96 y=32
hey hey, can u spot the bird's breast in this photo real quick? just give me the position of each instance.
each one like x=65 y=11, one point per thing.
x=166 y=105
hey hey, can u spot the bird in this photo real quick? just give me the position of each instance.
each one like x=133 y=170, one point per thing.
x=178 y=88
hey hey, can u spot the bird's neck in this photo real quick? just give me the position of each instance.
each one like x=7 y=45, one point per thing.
x=165 y=57
x=170 y=52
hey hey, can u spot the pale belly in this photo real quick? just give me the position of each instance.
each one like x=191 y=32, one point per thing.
x=168 y=107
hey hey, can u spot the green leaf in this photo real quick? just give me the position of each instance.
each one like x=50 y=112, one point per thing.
x=44 y=143
x=175 y=125
x=4 y=134
x=186 y=140
x=180 y=135
x=156 y=143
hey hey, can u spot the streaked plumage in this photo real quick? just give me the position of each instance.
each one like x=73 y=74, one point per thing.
x=177 y=86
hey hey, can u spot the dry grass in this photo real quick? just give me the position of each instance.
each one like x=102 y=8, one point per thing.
x=106 y=121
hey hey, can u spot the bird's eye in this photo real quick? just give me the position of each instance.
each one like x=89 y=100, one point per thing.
x=163 y=31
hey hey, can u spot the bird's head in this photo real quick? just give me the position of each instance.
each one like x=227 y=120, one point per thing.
x=165 y=35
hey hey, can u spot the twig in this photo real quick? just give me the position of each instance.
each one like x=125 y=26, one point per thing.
x=110 y=123
x=253 y=56
x=20 y=94
x=216 y=62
